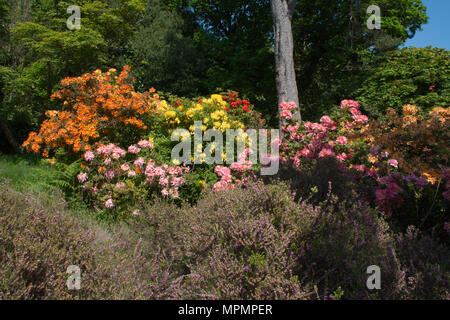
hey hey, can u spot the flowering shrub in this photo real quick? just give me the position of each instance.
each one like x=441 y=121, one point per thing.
x=115 y=178
x=404 y=160
x=103 y=109
x=418 y=142
x=95 y=106
x=329 y=138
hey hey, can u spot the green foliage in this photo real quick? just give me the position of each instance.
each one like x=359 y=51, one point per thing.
x=419 y=76
x=163 y=57
x=335 y=52
x=41 y=51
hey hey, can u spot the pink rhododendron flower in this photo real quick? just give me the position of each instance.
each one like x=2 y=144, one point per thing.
x=287 y=105
x=355 y=112
x=286 y=114
x=361 y=119
x=393 y=163
x=108 y=161
x=110 y=174
x=349 y=103
x=326 y=153
x=222 y=171
x=133 y=149
x=139 y=162
x=145 y=144
x=125 y=167
x=109 y=204
x=342 y=140
x=89 y=156
x=82 y=177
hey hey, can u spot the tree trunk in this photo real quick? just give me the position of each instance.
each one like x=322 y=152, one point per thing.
x=282 y=12
x=9 y=136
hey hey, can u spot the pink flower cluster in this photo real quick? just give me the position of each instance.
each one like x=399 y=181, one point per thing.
x=353 y=108
x=226 y=180
x=318 y=140
x=105 y=174
x=241 y=169
x=169 y=178
x=285 y=110
x=111 y=150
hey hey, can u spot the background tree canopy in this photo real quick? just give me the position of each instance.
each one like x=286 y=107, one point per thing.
x=194 y=47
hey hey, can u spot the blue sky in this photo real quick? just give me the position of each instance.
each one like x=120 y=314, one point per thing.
x=437 y=32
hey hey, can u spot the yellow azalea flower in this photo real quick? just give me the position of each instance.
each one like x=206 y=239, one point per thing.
x=176 y=162
x=170 y=114
x=429 y=177
x=51 y=161
x=202 y=183
x=372 y=159
x=190 y=112
x=410 y=110
x=205 y=120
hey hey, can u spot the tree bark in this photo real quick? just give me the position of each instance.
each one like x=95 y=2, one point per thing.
x=282 y=12
x=9 y=136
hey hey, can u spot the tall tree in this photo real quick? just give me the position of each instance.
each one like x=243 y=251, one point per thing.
x=282 y=13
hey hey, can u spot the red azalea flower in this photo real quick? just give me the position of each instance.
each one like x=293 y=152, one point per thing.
x=227 y=109
x=245 y=109
x=239 y=102
x=178 y=102
x=200 y=101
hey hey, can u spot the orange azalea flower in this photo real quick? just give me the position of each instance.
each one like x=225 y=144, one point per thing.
x=104 y=100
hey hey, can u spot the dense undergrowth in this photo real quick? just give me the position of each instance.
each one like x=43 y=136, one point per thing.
x=280 y=248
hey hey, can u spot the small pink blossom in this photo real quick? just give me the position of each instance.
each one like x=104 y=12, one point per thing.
x=133 y=149
x=145 y=144
x=361 y=119
x=109 y=204
x=139 y=162
x=349 y=103
x=342 y=140
x=286 y=114
x=393 y=163
x=82 y=177
x=89 y=156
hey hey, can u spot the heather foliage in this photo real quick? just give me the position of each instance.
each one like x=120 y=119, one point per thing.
x=40 y=241
x=247 y=244
x=218 y=249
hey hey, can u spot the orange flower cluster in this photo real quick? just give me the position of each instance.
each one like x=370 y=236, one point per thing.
x=420 y=142
x=93 y=104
